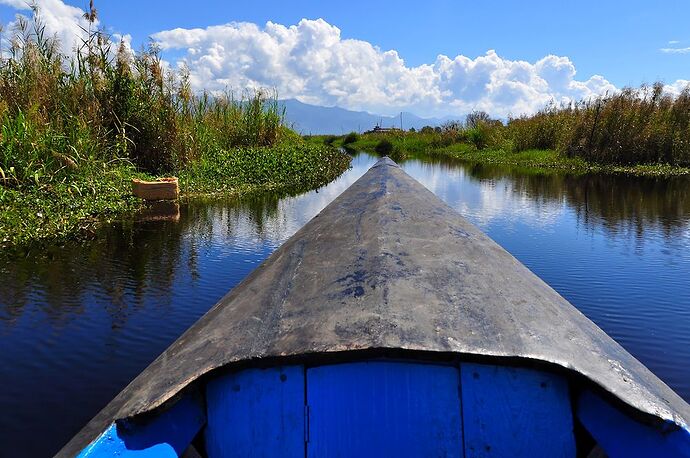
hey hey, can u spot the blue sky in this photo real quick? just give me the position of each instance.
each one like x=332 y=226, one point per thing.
x=620 y=41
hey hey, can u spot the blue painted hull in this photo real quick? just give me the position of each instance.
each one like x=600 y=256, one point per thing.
x=395 y=408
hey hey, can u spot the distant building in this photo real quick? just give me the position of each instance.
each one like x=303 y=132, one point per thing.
x=382 y=130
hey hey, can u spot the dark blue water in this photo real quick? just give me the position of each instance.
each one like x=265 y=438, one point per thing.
x=79 y=321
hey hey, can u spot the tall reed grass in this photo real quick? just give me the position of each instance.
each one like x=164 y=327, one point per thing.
x=633 y=126
x=643 y=126
x=107 y=104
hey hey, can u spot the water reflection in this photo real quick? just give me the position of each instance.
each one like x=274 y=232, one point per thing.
x=614 y=203
x=78 y=321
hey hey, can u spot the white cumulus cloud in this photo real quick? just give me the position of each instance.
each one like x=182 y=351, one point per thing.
x=310 y=61
x=674 y=89
x=17 y=4
x=62 y=21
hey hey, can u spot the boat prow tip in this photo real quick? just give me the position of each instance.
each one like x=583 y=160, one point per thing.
x=385 y=160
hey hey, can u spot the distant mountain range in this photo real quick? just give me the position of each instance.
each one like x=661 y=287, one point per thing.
x=314 y=120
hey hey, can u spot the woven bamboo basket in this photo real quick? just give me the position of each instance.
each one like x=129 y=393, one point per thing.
x=161 y=189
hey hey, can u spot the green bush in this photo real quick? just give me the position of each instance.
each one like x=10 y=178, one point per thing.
x=350 y=138
x=477 y=136
x=384 y=147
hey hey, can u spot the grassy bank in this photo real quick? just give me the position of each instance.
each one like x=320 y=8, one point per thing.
x=641 y=131
x=75 y=130
x=551 y=160
x=75 y=207
x=404 y=145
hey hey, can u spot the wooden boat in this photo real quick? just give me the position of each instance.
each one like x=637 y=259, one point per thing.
x=390 y=326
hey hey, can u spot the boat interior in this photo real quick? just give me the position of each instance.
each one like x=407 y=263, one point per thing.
x=385 y=406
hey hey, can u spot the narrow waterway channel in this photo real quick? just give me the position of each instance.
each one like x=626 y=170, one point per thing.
x=78 y=322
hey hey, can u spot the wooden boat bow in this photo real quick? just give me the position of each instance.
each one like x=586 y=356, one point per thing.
x=389 y=269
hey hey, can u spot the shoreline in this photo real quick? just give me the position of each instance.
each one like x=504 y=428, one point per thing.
x=545 y=161
x=552 y=162
x=30 y=218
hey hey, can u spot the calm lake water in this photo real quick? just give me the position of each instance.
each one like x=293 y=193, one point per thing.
x=78 y=322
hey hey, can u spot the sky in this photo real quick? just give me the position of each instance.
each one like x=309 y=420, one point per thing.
x=432 y=57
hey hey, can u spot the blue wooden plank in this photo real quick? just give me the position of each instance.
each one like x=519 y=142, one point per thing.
x=166 y=435
x=621 y=436
x=515 y=412
x=257 y=413
x=383 y=409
